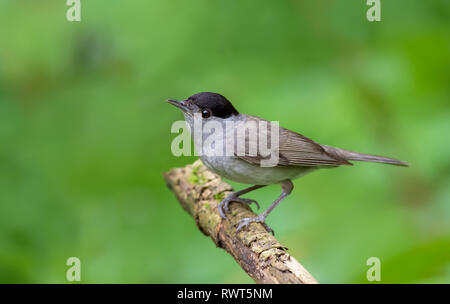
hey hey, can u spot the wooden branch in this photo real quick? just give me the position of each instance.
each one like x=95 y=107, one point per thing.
x=257 y=251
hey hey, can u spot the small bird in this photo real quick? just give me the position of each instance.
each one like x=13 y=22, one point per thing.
x=297 y=154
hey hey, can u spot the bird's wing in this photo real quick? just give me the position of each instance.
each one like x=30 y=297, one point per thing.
x=294 y=149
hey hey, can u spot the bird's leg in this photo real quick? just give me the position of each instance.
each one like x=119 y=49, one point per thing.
x=286 y=187
x=234 y=197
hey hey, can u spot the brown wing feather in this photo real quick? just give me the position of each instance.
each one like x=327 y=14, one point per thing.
x=297 y=150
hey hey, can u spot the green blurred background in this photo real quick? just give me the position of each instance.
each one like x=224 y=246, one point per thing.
x=85 y=134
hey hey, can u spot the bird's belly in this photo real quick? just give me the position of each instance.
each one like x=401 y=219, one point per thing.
x=240 y=171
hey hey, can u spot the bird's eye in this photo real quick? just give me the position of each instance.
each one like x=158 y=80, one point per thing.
x=206 y=113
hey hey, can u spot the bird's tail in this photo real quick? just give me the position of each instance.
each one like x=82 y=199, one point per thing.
x=349 y=155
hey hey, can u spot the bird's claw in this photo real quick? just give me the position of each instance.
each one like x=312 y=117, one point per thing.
x=224 y=205
x=258 y=219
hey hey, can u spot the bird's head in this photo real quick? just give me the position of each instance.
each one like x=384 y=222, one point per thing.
x=208 y=105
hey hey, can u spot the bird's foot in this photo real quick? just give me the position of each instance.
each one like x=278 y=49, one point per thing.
x=224 y=205
x=258 y=219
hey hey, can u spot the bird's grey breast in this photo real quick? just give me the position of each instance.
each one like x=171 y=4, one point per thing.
x=214 y=139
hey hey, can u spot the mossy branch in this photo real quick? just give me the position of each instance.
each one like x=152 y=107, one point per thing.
x=257 y=251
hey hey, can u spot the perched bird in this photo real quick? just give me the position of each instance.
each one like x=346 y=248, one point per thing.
x=296 y=154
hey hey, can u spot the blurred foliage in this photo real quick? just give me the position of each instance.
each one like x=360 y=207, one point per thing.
x=85 y=134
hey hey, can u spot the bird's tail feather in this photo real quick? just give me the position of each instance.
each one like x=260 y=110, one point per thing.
x=349 y=155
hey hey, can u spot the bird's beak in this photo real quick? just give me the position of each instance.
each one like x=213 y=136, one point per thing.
x=182 y=104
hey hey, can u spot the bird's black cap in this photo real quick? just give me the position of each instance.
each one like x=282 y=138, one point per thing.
x=216 y=103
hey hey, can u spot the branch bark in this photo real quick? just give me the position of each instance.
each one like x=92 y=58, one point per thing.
x=199 y=191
